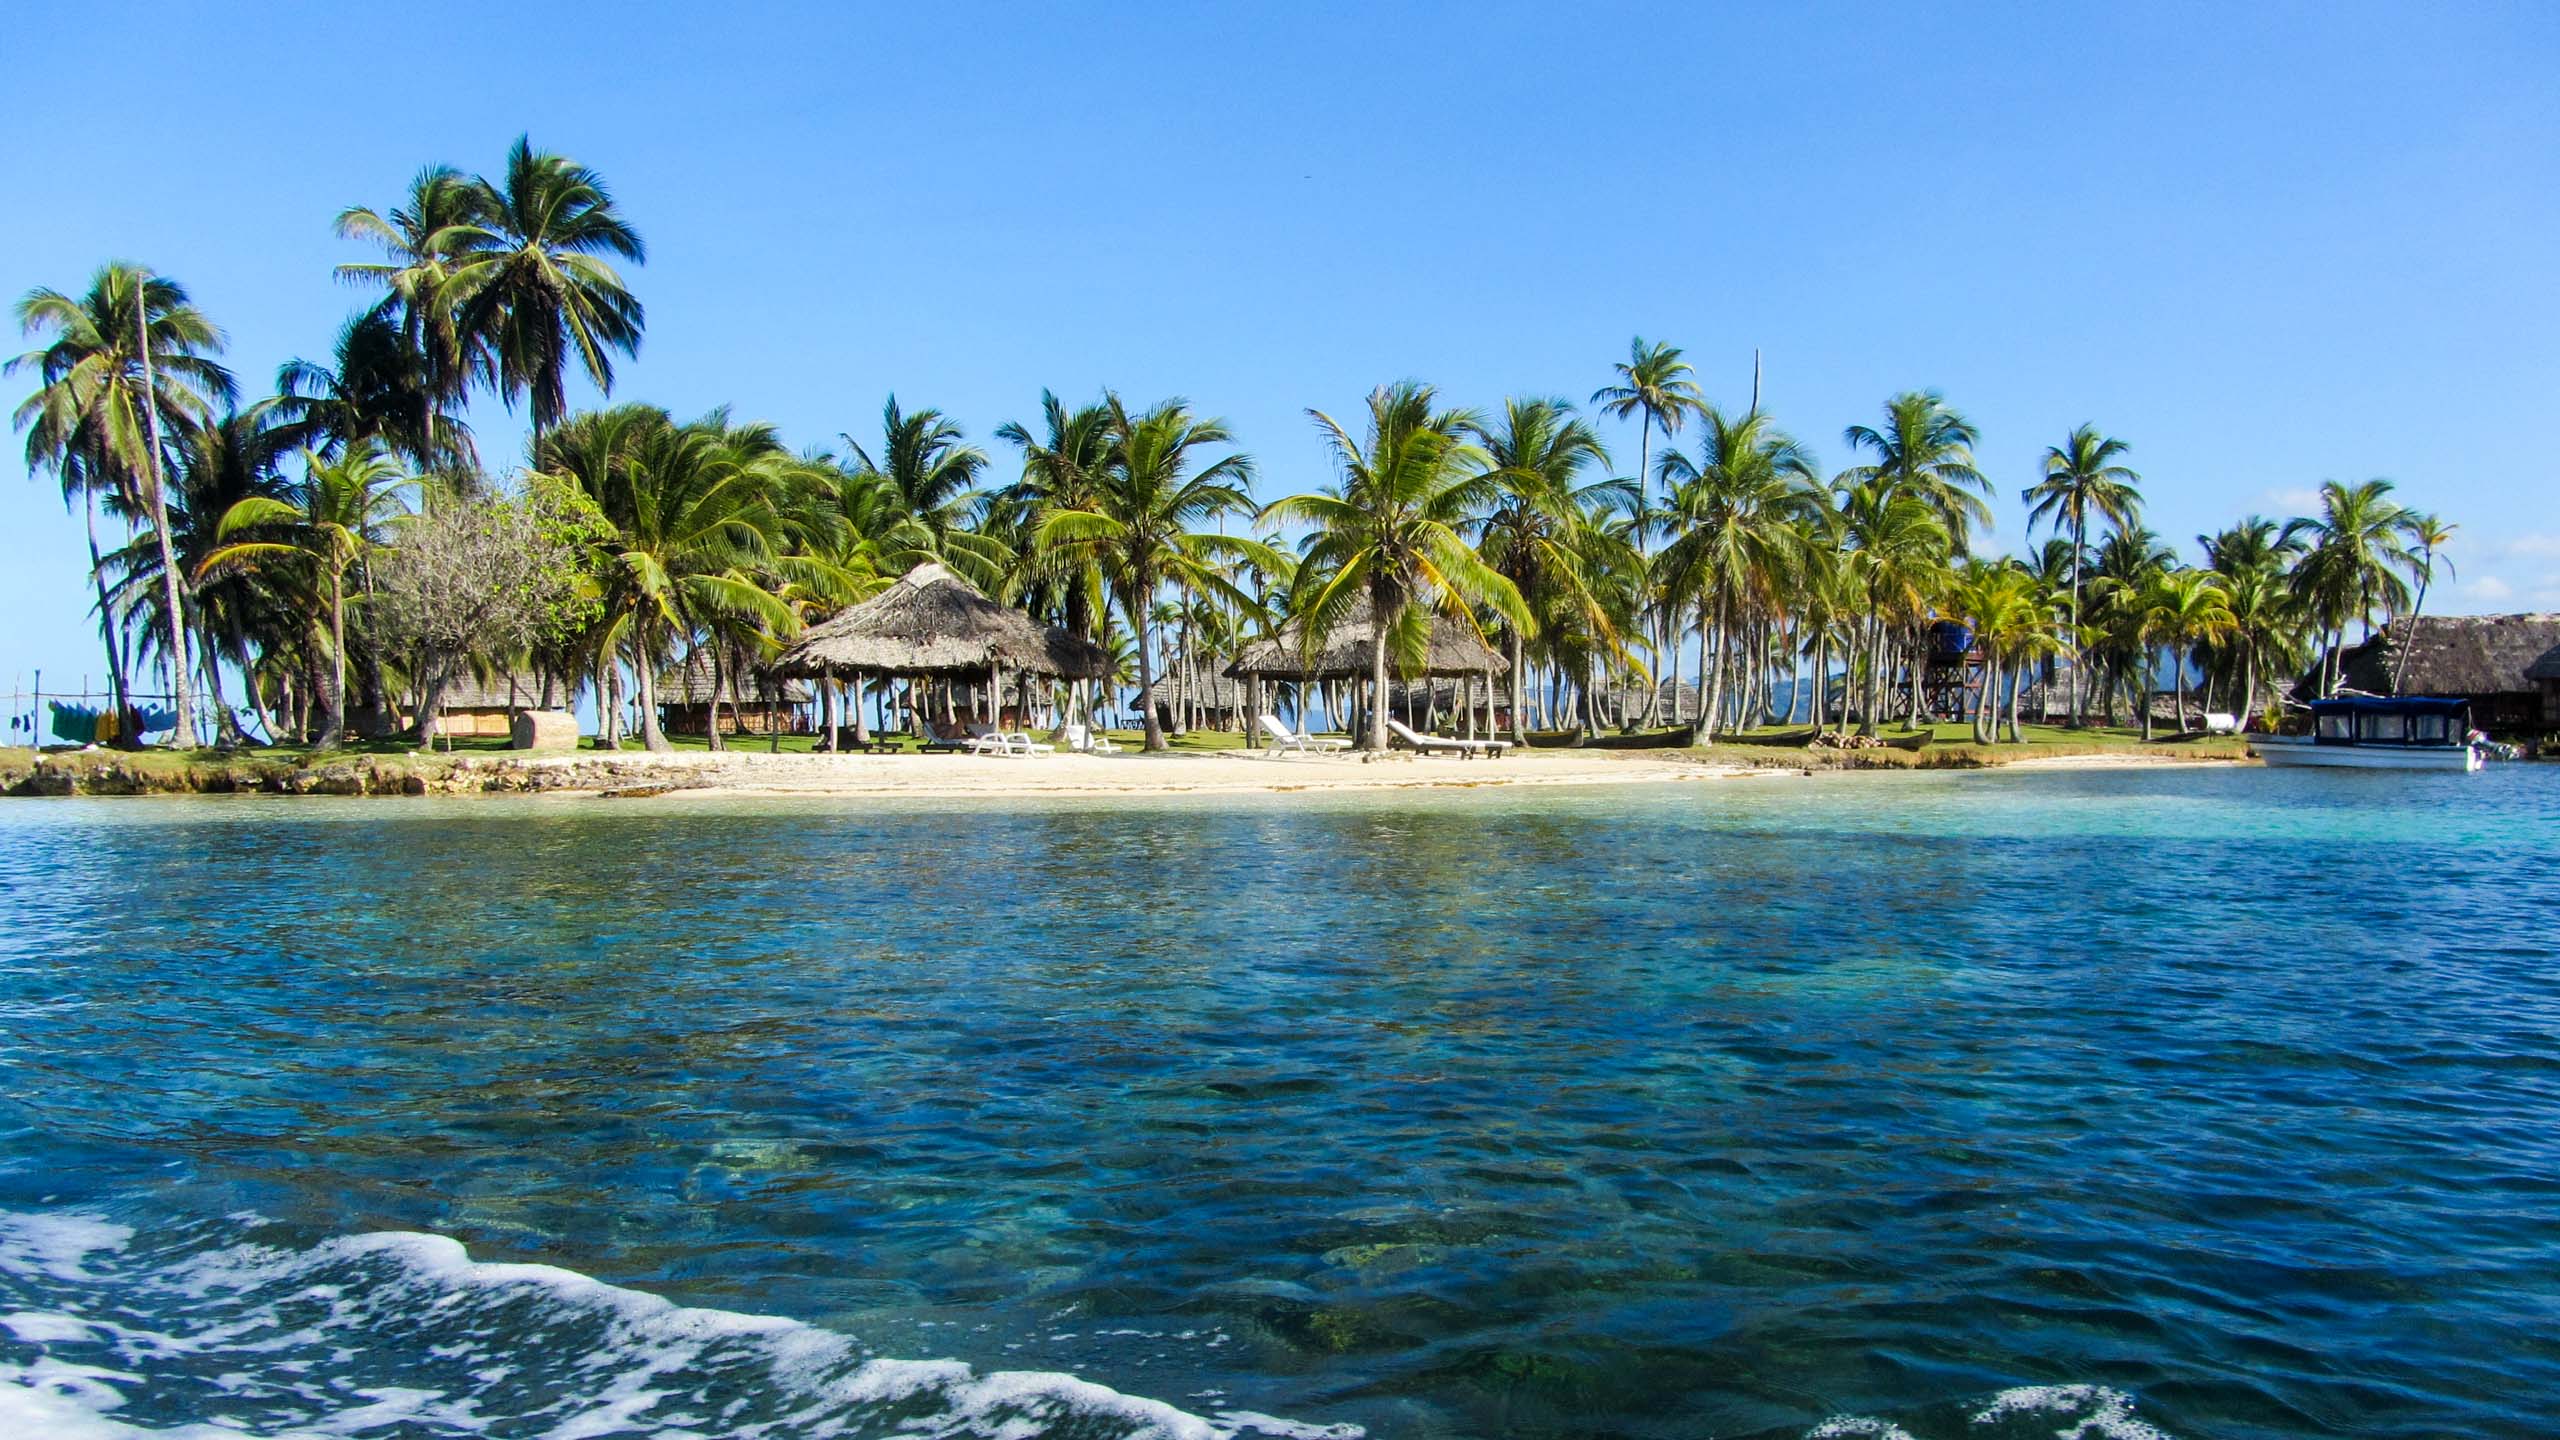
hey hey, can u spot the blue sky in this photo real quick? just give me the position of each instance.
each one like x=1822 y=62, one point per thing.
x=2268 y=245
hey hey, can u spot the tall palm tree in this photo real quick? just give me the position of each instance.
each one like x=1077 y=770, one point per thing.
x=1900 y=548
x=2358 y=552
x=1925 y=450
x=1653 y=387
x=1734 y=510
x=1537 y=528
x=2128 y=561
x=341 y=510
x=123 y=364
x=418 y=240
x=2082 y=475
x=2429 y=534
x=2266 y=628
x=534 y=280
x=1388 y=532
x=1139 y=529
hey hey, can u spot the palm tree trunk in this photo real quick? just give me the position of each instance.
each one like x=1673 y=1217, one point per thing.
x=117 y=695
x=1377 y=726
x=334 y=728
x=2079 y=658
x=1138 y=607
x=226 y=725
x=1711 y=704
x=653 y=735
x=182 y=694
x=711 y=712
x=1519 y=689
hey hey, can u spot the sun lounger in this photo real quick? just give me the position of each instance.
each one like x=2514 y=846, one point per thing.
x=2217 y=722
x=935 y=742
x=1089 y=742
x=1444 y=745
x=1284 y=739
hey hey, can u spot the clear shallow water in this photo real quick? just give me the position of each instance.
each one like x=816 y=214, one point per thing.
x=1759 y=1109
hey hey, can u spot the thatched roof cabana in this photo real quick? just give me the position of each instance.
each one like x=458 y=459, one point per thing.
x=932 y=622
x=1343 y=654
x=505 y=690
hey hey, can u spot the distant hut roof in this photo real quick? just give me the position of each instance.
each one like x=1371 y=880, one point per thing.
x=690 y=683
x=506 y=690
x=1218 y=692
x=1455 y=649
x=933 y=622
x=2452 y=654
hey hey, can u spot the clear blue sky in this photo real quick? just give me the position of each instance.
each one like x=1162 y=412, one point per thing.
x=2268 y=245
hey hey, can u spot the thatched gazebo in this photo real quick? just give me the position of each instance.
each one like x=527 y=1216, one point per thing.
x=1454 y=651
x=689 y=700
x=932 y=624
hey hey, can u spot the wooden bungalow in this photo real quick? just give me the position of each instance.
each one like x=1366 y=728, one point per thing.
x=2485 y=659
x=474 y=708
x=754 y=700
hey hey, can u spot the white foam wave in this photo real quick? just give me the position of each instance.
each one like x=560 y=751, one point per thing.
x=397 y=1330
x=2085 y=1412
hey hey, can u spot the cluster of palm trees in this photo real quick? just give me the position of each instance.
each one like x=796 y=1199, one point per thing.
x=1801 y=597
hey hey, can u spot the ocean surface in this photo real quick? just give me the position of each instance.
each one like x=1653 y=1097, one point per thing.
x=2187 y=1103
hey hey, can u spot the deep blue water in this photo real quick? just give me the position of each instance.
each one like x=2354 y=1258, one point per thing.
x=1740 y=1109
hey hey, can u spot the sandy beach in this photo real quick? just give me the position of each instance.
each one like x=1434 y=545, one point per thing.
x=742 y=772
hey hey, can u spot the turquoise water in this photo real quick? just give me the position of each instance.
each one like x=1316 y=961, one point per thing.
x=2210 y=1103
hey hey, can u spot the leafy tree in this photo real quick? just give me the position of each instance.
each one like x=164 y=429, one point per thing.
x=1538 y=527
x=2357 y=553
x=932 y=472
x=1925 y=450
x=420 y=242
x=2429 y=534
x=2181 y=609
x=1734 y=511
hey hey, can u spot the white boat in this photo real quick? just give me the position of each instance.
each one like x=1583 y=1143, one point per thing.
x=2379 y=733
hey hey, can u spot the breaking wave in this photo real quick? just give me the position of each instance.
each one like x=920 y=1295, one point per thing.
x=198 y=1339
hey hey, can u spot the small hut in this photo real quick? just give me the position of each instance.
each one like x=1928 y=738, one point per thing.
x=2485 y=659
x=474 y=708
x=932 y=624
x=754 y=701
x=1454 y=652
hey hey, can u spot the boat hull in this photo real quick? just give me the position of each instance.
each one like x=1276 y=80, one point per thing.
x=2295 y=750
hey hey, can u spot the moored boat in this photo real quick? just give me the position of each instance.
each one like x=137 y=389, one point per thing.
x=2374 y=732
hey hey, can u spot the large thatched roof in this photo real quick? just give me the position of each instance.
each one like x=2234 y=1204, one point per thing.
x=690 y=683
x=1343 y=653
x=504 y=690
x=932 y=622
x=2452 y=654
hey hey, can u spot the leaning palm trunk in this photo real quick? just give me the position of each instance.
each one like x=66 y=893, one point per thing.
x=653 y=736
x=1377 y=726
x=1709 y=707
x=181 y=696
x=117 y=695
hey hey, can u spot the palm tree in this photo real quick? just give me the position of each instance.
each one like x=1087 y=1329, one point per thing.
x=2081 y=475
x=1138 y=531
x=2358 y=551
x=339 y=512
x=933 y=472
x=1925 y=450
x=533 y=278
x=2128 y=560
x=1654 y=388
x=2430 y=534
x=2181 y=609
x=213 y=467
x=418 y=241
x=378 y=387
x=1389 y=530
x=1735 y=510
x=1899 y=552
x=1063 y=469
x=2266 y=627
x=1537 y=529
x=125 y=363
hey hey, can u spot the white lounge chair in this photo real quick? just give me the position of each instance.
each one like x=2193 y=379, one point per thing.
x=2217 y=722
x=987 y=740
x=1284 y=739
x=1444 y=744
x=1089 y=742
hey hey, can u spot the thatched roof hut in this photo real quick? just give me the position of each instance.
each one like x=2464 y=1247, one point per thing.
x=2486 y=659
x=932 y=622
x=1343 y=654
x=690 y=683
